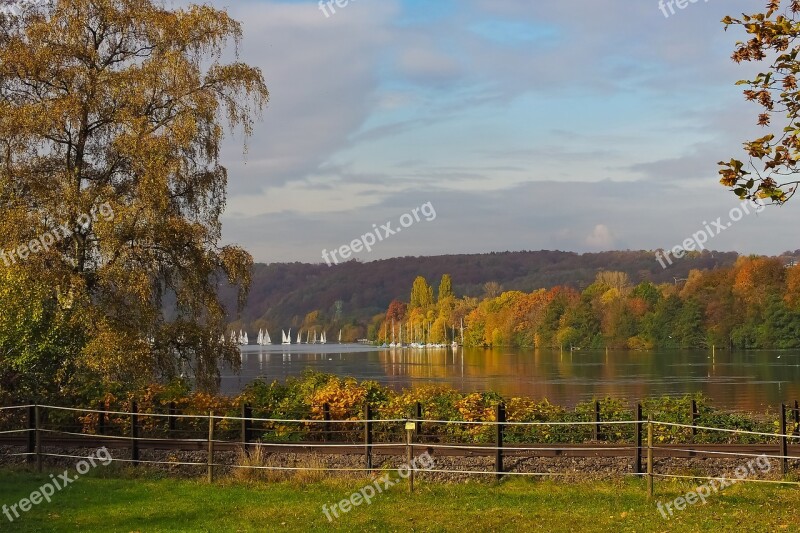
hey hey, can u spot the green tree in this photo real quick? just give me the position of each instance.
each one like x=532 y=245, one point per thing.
x=115 y=108
x=689 y=326
x=647 y=292
x=39 y=338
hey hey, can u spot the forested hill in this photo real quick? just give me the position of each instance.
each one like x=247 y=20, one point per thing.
x=282 y=294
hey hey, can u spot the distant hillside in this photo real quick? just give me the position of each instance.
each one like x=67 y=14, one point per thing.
x=282 y=294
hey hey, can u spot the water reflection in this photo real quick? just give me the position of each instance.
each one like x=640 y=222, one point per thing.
x=739 y=380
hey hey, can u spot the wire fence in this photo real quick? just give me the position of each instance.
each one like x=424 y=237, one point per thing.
x=37 y=429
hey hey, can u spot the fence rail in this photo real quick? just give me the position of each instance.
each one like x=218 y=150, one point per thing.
x=35 y=436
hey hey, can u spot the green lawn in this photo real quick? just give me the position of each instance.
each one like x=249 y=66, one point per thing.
x=142 y=503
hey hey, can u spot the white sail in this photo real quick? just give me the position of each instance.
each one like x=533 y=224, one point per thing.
x=286 y=339
x=267 y=340
x=323 y=340
x=340 y=336
x=299 y=337
x=246 y=339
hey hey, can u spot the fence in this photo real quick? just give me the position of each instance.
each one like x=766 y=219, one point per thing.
x=47 y=426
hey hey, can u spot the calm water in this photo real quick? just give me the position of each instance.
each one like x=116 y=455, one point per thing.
x=739 y=380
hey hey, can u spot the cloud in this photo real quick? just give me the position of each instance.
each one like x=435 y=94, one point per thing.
x=525 y=123
x=600 y=238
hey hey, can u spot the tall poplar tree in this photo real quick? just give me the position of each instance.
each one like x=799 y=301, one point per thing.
x=445 y=287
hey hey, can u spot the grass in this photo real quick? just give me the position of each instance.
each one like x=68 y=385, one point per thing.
x=127 y=502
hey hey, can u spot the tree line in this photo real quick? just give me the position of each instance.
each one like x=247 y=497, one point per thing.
x=753 y=304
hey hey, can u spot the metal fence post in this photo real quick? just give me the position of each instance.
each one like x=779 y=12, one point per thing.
x=409 y=455
x=784 y=443
x=637 y=464
x=31 y=449
x=172 y=420
x=650 y=477
x=247 y=415
x=368 y=435
x=211 y=446
x=500 y=416
x=134 y=434
x=326 y=426
x=596 y=432
x=38 y=443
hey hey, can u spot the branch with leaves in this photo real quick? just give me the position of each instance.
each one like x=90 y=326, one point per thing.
x=771 y=173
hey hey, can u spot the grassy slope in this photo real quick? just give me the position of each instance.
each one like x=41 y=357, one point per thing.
x=148 y=504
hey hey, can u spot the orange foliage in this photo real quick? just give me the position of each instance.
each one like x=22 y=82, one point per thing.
x=792 y=296
x=755 y=277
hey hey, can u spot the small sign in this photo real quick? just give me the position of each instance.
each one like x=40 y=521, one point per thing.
x=411 y=426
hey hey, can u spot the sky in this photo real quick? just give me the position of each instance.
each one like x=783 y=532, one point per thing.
x=571 y=125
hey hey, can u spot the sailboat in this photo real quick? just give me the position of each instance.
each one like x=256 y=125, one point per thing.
x=286 y=338
x=299 y=337
x=340 y=336
x=267 y=340
x=246 y=340
x=323 y=340
x=315 y=337
x=260 y=338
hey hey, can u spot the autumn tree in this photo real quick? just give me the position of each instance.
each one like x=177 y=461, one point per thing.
x=117 y=108
x=445 y=288
x=492 y=289
x=771 y=169
x=396 y=312
x=421 y=293
x=792 y=294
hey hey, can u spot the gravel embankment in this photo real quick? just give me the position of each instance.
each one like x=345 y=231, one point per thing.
x=570 y=469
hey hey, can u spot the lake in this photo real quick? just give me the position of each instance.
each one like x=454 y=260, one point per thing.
x=738 y=380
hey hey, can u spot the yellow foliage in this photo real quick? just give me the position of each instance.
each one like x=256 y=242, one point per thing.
x=343 y=397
